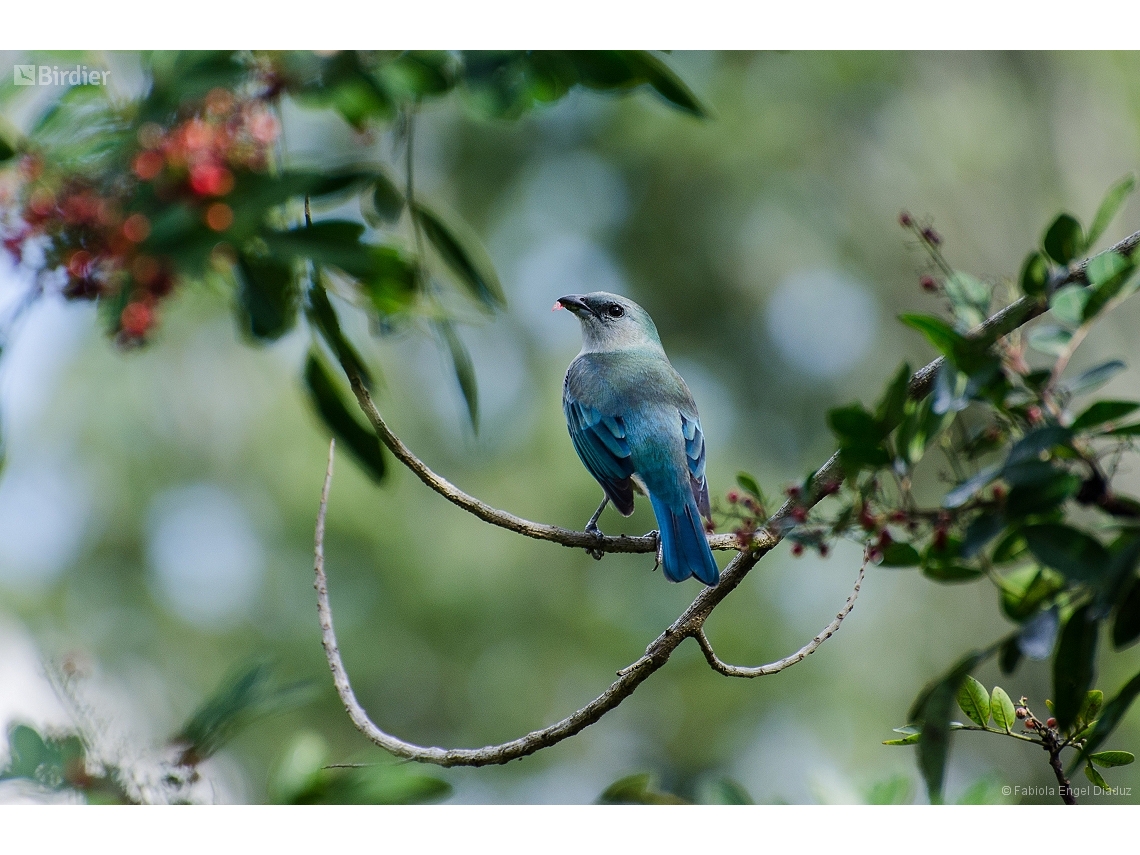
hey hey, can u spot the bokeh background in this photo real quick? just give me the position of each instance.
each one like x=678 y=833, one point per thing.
x=157 y=506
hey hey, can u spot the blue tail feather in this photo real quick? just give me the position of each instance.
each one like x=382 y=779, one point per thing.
x=685 y=550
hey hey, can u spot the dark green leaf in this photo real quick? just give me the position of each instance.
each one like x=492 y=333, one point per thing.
x=981 y=530
x=361 y=441
x=241 y=699
x=662 y=78
x=946 y=340
x=417 y=74
x=392 y=283
x=1068 y=304
x=268 y=296
x=1113 y=200
x=1038 y=441
x=1103 y=411
x=6 y=150
x=1124 y=430
x=384 y=204
x=853 y=425
x=1064 y=239
x=974 y=701
x=748 y=484
x=1074 y=665
x=1107 y=273
x=1010 y=548
x=1109 y=759
x=1126 y=627
x=1026 y=589
x=1110 y=717
x=1002 y=709
x=900 y=555
x=1009 y=656
x=931 y=711
x=1092 y=378
x=464 y=370
x=891 y=408
x=324 y=318
x=1091 y=708
x=1077 y=555
x=464 y=255
x=1035 y=274
x=637 y=790
x=1095 y=776
x=1043 y=496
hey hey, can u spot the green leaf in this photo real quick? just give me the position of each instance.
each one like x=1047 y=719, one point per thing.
x=1035 y=274
x=1064 y=239
x=268 y=296
x=1109 y=759
x=1103 y=411
x=241 y=699
x=1112 y=714
x=1079 y=556
x=974 y=701
x=662 y=78
x=464 y=370
x=1068 y=304
x=1113 y=200
x=464 y=255
x=384 y=205
x=6 y=150
x=1074 y=665
x=1049 y=339
x=326 y=397
x=900 y=555
x=1095 y=776
x=1094 y=377
x=1124 y=430
x=1010 y=548
x=909 y=739
x=1108 y=274
x=1091 y=708
x=1002 y=709
x=1126 y=627
x=1026 y=589
x=946 y=340
x=853 y=425
x=1042 y=496
x=637 y=790
x=891 y=408
x=969 y=298
x=748 y=484
x=931 y=711
x=324 y=318
x=726 y=791
x=896 y=790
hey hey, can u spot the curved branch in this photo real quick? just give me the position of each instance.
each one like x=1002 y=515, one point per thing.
x=788 y=661
x=691 y=621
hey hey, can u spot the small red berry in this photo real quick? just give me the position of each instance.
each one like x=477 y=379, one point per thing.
x=1033 y=414
x=797 y=549
x=905 y=220
x=999 y=492
x=733 y=496
x=823 y=550
x=941 y=535
x=1051 y=722
x=931 y=237
x=928 y=283
x=1021 y=712
x=898 y=516
x=793 y=491
x=136 y=319
x=799 y=514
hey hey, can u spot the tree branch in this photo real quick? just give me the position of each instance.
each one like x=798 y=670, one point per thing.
x=788 y=661
x=691 y=621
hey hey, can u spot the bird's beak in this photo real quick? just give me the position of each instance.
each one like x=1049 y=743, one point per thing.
x=575 y=304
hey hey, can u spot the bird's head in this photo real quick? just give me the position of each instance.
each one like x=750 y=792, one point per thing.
x=610 y=322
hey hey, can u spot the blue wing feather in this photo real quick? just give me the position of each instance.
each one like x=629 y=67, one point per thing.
x=695 y=454
x=603 y=447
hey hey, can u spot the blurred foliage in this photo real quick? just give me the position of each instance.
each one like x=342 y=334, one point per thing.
x=527 y=180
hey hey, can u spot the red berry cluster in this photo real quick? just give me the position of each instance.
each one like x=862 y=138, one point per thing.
x=749 y=514
x=84 y=224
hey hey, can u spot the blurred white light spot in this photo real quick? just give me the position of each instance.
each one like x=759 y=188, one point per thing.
x=821 y=322
x=206 y=557
x=44 y=510
x=566 y=264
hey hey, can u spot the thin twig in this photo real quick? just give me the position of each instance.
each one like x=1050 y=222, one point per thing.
x=788 y=661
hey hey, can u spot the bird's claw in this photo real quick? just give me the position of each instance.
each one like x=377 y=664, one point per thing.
x=592 y=528
x=658 y=556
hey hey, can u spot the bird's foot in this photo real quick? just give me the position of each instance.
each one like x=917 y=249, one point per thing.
x=658 y=556
x=592 y=528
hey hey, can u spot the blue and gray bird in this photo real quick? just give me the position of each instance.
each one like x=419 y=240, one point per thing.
x=633 y=423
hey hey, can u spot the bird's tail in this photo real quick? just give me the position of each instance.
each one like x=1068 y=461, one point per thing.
x=685 y=550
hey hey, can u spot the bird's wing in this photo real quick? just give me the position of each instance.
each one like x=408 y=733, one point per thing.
x=695 y=455
x=601 y=443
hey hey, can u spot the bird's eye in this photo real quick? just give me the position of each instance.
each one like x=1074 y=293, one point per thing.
x=614 y=310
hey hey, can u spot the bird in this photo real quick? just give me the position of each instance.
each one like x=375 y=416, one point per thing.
x=634 y=424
